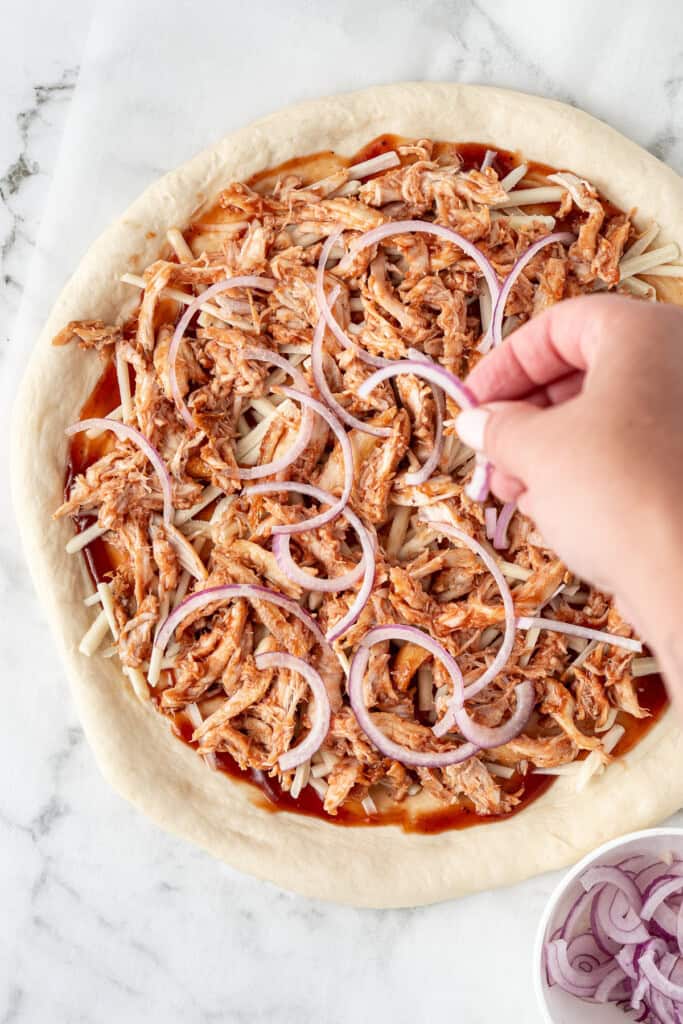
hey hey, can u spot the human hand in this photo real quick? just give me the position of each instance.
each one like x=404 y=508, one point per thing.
x=582 y=418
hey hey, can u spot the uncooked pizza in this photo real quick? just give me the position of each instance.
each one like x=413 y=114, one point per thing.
x=290 y=564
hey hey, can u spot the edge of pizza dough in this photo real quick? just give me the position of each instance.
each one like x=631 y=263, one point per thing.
x=378 y=867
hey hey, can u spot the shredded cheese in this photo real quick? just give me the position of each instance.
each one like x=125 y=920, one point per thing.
x=138 y=683
x=369 y=805
x=642 y=243
x=397 y=531
x=263 y=407
x=594 y=763
x=301 y=777
x=638 y=287
x=115 y=414
x=179 y=245
x=648 y=260
x=82 y=539
x=611 y=719
x=584 y=653
x=104 y=592
x=425 y=688
x=319 y=786
x=351 y=188
x=529 y=645
x=178 y=296
x=530 y=196
x=247 y=448
x=343 y=661
x=485 y=309
x=95 y=635
x=154 y=670
x=666 y=270
x=513 y=571
x=513 y=178
x=383 y=162
x=644 y=667
x=558 y=626
x=521 y=220
x=417 y=543
x=209 y=494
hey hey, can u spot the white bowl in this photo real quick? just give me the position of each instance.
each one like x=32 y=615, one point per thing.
x=557 y=1006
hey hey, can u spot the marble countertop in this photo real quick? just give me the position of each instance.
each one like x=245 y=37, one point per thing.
x=105 y=918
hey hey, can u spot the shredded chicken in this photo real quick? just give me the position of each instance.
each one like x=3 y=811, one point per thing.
x=410 y=291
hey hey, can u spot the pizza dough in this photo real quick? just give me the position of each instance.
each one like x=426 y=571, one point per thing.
x=365 y=866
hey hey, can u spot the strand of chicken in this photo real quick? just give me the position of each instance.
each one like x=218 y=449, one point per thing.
x=409 y=292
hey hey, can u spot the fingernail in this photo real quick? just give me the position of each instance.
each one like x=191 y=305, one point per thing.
x=470 y=426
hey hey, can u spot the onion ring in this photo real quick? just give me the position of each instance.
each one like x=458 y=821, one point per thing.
x=249 y=281
x=386 y=746
x=505 y=649
x=127 y=433
x=253 y=592
x=321 y=707
x=281 y=550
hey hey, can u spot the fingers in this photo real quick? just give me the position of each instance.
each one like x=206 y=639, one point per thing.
x=565 y=389
x=552 y=346
x=506 y=487
x=507 y=432
x=559 y=391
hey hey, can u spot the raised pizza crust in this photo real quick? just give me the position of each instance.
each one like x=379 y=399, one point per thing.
x=366 y=866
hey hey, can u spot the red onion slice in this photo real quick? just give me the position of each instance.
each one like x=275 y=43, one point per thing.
x=321 y=707
x=658 y=893
x=305 y=431
x=317 y=365
x=621 y=959
x=500 y=537
x=658 y=980
x=487 y=737
x=478 y=487
x=264 y=355
x=608 y=984
x=127 y=433
x=577 y=982
x=388 y=747
x=321 y=585
x=603 y=940
x=248 y=281
x=495 y=335
x=616 y=877
x=366 y=569
x=326 y=311
x=347 y=456
x=503 y=654
x=252 y=592
x=573 y=917
x=421 y=475
x=557 y=626
x=407 y=227
x=428 y=370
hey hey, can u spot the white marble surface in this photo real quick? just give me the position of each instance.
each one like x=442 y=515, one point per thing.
x=104 y=918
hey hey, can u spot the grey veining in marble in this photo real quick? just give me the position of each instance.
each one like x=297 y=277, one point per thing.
x=104 y=918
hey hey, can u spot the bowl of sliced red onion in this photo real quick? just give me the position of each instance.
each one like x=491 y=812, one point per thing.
x=609 y=947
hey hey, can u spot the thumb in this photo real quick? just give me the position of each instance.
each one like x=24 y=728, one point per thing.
x=506 y=432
